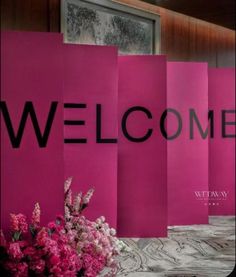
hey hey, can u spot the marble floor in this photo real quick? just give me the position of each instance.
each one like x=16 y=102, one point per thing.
x=196 y=250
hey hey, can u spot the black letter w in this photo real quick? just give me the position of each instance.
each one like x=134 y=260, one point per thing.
x=28 y=109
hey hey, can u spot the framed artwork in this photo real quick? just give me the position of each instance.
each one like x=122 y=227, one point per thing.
x=104 y=22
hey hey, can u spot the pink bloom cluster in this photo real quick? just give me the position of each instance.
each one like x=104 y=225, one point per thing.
x=80 y=201
x=95 y=241
x=46 y=253
x=71 y=246
x=36 y=215
x=19 y=223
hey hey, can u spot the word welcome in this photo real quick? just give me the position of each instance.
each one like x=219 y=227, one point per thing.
x=42 y=137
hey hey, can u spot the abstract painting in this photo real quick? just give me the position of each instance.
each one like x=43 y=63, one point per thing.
x=87 y=22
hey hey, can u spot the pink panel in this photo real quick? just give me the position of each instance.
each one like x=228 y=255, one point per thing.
x=90 y=75
x=222 y=149
x=31 y=70
x=187 y=88
x=142 y=189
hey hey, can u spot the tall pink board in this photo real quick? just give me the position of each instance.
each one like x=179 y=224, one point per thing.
x=222 y=146
x=142 y=189
x=91 y=79
x=187 y=88
x=31 y=70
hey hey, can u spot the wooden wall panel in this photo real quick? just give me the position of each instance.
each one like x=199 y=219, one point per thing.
x=30 y=15
x=183 y=38
x=174 y=31
x=225 y=49
x=199 y=40
x=220 y=12
x=54 y=15
x=7 y=14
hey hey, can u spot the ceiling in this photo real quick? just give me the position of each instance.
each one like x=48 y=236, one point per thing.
x=220 y=12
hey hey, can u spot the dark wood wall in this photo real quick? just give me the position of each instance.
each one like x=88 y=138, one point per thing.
x=189 y=39
x=220 y=12
x=30 y=15
x=183 y=38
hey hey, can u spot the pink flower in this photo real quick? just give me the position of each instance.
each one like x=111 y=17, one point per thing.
x=23 y=226
x=18 y=223
x=14 y=223
x=77 y=202
x=23 y=243
x=29 y=251
x=55 y=236
x=67 y=213
x=90 y=273
x=67 y=184
x=54 y=260
x=88 y=196
x=60 y=220
x=17 y=269
x=65 y=246
x=93 y=264
x=52 y=225
x=14 y=251
x=51 y=247
x=87 y=259
x=56 y=271
x=2 y=239
x=42 y=237
x=84 y=236
x=68 y=199
x=37 y=266
x=22 y=269
x=34 y=253
x=36 y=215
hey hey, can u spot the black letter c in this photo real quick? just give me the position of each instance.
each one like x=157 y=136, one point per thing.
x=124 y=121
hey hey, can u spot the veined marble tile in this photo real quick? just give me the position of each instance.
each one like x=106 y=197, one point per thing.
x=196 y=250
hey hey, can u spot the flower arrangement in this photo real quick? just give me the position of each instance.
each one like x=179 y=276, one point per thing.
x=70 y=246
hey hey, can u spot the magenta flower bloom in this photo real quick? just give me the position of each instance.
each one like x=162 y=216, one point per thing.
x=37 y=266
x=70 y=246
x=36 y=215
x=14 y=251
x=19 y=223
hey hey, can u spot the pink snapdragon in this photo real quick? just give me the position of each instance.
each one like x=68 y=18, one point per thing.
x=68 y=198
x=17 y=269
x=37 y=266
x=88 y=196
x=69 y=246
x=3 y=241
x=14 y=223
x=36 y=215
x=18 y=223
x=77 y=202
x=14 y=251
x=67 y=184
x=96 y=241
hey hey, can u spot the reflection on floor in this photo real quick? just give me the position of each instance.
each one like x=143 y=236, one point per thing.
x=197 y=250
